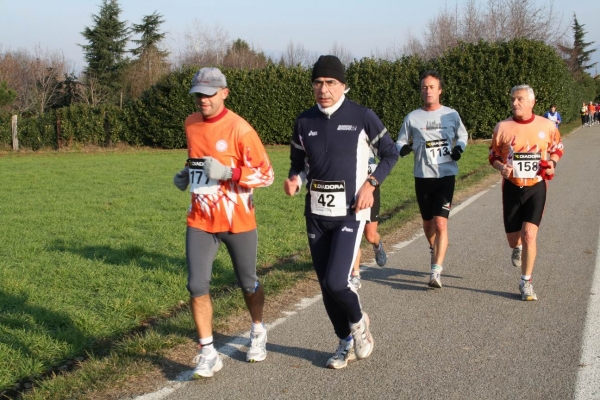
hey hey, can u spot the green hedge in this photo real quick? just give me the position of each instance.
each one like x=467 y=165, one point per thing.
x=478 y=79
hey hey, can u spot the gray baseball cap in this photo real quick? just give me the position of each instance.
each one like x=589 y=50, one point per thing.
x=208 y=81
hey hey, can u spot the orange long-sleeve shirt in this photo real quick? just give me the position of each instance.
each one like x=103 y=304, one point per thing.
x=537 y=135
x=229 y=206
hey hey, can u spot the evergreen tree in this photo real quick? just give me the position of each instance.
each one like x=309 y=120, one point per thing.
x=151 y=63
x=578 y=56
x=7 y=95
x=151 y=36
x=106 y=53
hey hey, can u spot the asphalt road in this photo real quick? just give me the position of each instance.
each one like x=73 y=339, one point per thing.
x=472 y=339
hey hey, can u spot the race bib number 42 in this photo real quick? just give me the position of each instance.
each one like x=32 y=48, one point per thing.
x=438 y=151
x=328 y=198
x=199 y=182
x=526 y=165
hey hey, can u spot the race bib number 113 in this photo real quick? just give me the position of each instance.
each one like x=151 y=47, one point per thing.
x=438 y=151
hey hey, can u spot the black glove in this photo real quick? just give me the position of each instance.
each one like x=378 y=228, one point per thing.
x=405 y=150
x=456 y=153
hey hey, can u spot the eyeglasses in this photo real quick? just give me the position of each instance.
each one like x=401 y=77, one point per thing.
x=328 y=83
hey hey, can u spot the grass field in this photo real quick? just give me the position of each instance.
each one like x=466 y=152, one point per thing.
x=92 y=247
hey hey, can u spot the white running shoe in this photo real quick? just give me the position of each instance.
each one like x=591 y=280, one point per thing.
x=363 y=340
x=258 y=347
x=516 y=257
x=342 y=356
x=355 y=281
x=206 y=367
x=526 y=289
x=435 y=280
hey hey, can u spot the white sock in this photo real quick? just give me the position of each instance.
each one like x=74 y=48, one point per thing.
x=525 y=277
x=206 y=346
x=520 y=247
x=258 y=328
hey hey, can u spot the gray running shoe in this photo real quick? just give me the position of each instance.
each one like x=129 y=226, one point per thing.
x=206 y=367
x=355 y=281
x=516 y=257
x=526 y=289
x=435 y=280
x=363 y=340
x=343 y=355
x=380 y=256
x=258 y=347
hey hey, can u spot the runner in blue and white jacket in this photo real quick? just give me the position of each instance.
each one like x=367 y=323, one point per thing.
x=553 y=115
x=330 y=151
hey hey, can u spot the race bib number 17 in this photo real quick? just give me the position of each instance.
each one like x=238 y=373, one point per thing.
x=199 y=182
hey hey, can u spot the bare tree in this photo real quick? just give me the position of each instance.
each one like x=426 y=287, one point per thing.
x=296 y=54
x=47 y=71
x=91 y=92
x=203 y=45
x=341 y=52
x=472 y=28
x=145 y=72
x=37 y=78
x=496 y=20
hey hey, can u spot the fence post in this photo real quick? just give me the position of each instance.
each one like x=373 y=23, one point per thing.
x=59 y=141
x=15 y=139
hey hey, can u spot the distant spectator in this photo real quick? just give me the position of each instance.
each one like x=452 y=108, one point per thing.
x=553 y=115
x=584 y=114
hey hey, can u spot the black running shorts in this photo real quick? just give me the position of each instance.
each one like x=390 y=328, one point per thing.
x=522 y=204
x=376 y=205
x=434 y=196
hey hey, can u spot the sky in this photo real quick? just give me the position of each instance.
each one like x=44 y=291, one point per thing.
x=364 y=27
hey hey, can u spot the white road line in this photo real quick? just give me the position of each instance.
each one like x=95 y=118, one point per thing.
x=227 y=350
x=237 y=343
x=588 y=376
x=400 y=245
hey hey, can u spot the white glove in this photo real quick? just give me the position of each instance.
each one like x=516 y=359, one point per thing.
x=215 y=170
x=372 y=168
x=182 y=179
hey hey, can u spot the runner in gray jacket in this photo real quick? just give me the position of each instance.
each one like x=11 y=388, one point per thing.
x=437 y=136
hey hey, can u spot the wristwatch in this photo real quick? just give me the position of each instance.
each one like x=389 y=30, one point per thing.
x=373 y=181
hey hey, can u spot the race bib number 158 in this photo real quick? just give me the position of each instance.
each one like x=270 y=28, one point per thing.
x=526 y=165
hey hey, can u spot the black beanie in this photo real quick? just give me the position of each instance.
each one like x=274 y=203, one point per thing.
x=329 y=67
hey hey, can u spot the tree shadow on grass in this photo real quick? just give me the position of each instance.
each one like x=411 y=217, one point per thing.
x=19 y=320
x=141 y=256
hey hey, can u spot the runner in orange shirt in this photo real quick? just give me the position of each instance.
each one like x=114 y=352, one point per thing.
x=525 y=149
x=591 y=113
x=226 y=161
